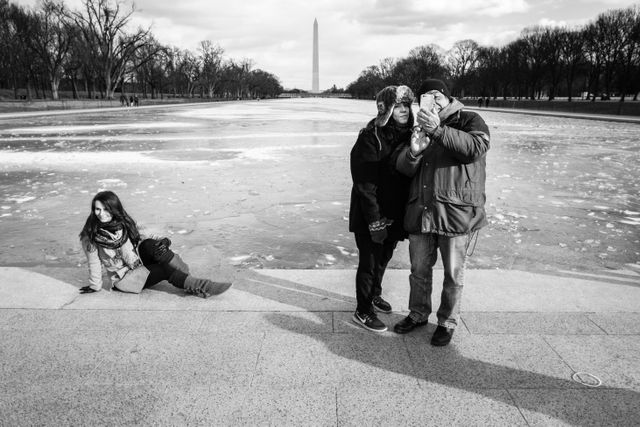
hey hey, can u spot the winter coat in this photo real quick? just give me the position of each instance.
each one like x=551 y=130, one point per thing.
x=447 y=193
x=119 y=263
x=379 y=190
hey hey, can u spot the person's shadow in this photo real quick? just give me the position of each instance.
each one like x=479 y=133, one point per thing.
x=552 y=397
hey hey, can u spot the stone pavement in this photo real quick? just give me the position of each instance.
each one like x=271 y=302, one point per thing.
x=279 y=348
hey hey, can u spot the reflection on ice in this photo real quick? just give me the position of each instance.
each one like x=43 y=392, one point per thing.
x=293 y=110
x=96 y=128
x=179 y=137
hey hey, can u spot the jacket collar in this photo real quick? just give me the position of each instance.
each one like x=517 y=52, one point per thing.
x=453 y=108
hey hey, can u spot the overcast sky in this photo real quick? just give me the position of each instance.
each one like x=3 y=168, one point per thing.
x=353 y=34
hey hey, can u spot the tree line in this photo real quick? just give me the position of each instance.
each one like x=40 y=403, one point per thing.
x=93 y=53
x=601 y=58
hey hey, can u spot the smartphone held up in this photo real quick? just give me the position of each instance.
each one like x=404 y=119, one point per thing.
x=427 y=102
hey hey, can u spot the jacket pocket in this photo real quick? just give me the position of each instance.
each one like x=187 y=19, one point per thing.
x=456 y=197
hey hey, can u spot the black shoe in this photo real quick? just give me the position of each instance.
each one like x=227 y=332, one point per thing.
x=381 y=305
x=407 y=325
x=369 y=321
x=442 y=336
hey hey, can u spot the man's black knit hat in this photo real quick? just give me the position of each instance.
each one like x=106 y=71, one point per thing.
x=434 y=84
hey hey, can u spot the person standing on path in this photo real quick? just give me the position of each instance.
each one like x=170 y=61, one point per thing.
x=378 y=198
x=110 y=239
x=445 y=209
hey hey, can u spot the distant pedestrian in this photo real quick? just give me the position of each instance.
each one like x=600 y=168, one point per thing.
x=446 y=205
x=486 y=102
x=130 y=100
x=480 y=101
x=135 y=100
x=111 y=240
x=378 y=198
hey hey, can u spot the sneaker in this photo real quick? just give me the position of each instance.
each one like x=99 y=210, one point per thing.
x=369 y=321
x=381 y=305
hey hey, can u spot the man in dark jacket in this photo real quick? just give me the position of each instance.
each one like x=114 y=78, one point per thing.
x=446 y=160
x=378 y=199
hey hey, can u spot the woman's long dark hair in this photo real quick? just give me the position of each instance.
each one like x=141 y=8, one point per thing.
x=113 y=205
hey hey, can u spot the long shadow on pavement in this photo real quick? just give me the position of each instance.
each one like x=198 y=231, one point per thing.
x=552 y=397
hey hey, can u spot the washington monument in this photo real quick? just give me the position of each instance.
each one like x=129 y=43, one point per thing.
x=315 y=84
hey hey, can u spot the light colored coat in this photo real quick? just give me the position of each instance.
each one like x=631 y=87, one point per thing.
x=117 y=263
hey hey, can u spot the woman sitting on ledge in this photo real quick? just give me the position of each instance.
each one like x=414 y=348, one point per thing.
x=110 y=238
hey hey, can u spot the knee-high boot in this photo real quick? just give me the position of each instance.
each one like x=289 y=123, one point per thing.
x=197 y=286
x=157 y=251
x=178 y=263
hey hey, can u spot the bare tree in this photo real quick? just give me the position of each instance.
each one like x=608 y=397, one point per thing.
x=103 y=24
x=462 y=60
x=238 y=73
x=151 y=65
x=386 y=67
x=490 y=70
x=627 y=22
x=594 y=59
x=610 y=40
x=552 y=49
x=189 y=68
x=422 y=63
x=51 y=40
x=211 y=60
x=572 y=55
x=22 y=61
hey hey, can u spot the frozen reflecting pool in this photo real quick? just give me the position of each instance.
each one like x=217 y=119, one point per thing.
x=267 y=184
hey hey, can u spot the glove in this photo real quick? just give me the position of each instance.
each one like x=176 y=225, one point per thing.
x=87 y=290
x=419 y=142
x=161 y=248
x=378 y=230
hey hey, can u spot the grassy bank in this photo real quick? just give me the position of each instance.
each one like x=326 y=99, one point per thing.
x=8 y=106
x=612 y=107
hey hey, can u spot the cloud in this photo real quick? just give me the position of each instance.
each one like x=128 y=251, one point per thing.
x=545 y=22
x=413 y=15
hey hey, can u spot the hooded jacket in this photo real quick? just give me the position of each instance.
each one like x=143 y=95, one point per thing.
x=447 y=193
x=379 y=190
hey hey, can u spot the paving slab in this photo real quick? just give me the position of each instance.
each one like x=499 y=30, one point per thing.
x=102 y=320
x=490 y=362
x=612 y=359
x=531 y=323
x=175 y=357
x=617 y=323
x=295 y=406
x=578 y=407
x=21 y=288
x=45 y=356
x=410 y=405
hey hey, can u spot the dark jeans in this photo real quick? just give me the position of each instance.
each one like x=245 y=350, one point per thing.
x=372 y=263
x=423 y=251
x=159 y=268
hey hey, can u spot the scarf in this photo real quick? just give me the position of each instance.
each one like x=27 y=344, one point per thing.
x=111 y=235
